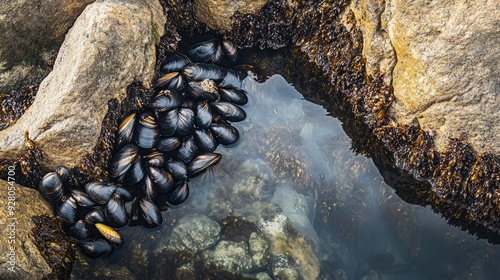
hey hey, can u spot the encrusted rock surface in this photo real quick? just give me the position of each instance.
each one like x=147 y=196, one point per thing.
x=29 y=262
x=30 y=34
x=216 y=14
x=110 y=45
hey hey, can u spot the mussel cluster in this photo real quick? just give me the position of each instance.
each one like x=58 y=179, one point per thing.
x=158 y=149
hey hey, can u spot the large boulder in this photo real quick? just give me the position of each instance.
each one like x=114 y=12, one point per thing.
x=29 y=34
x=446 y=75
x=111 y=44
x=216 y=14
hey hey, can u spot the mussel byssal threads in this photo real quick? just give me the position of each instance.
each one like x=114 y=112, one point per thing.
x=157 y=150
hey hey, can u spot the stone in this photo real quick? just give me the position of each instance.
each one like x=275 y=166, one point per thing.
x=111 y=45
x=446 y=74
x=216 y=14
x=28 y=40
x=229 y=256
x=29 y=263
x=193 y=233
x=259 y=250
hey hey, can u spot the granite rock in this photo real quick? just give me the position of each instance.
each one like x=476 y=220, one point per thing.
x=216 y=14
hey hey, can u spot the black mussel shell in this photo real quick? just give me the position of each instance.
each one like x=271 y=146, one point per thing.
x=201 y=163
x=67 y=210
x=165 y=100
x=115 y=213
x=177 y=169
x=82 y=198
x=149 y=214
x=178 y=120
x=202 y=71
x=168 y=144
x=205 y=140
x=187 y=103
x=79 y=230
x=179 y=194
x=161 y=179
x=173 y=81
x=63 y=173
x=96 y=248
x=203 y=114
x=229 y=50
x=229 y=111
x=95 y=216
x=226 y=134
x=109 y=234
x=233 y=79
x=100 y=192
x=135 y=174
x=147 y=132
x=125 y=195
x=126 y=129
x=236 y=96
x=218 y=56
x=174 y=62
x=155 y=159
x=204 y=51
x=51 y=187
x=123 y=160
x=148 y=188
x=204 y=89
x=188 y=149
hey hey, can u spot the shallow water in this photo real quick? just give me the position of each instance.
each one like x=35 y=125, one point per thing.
x=296 y=157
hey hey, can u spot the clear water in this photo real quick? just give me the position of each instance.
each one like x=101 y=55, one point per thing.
x=293 y=155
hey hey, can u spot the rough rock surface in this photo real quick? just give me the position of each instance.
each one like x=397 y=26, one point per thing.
x=29 y=32
x=446 y=73
x=216 y=13
x=29 y=263
x=110 y=45
x=229 y=256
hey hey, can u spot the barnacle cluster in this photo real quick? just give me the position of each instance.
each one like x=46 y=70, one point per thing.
x=157 y=149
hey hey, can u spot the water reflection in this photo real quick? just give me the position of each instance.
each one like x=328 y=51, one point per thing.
x=292 y=201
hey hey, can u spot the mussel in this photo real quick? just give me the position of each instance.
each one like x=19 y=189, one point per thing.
x=202 y=71
x=115 y=212
x=229 y=111
x=201 y=163
x=51 y=187
x=204 y=51
x=175 y=62
x=233 y=79
x=204 y=89
x=126 y=130
x=168 y=144
x=109 y=234
x=82 y=198
x=172 y=80
x=177 y=169
x=178 y=121
x=205 y=140
x=95 y=216
x=67 y=210
x=226 y=134
x=236 y=96
x=161 y=179
x=135 y=173
x=179 y=194
x=123 y=160
x=100 y=192
x=79 y=230
x=203 y=114
x=147 y=132
x=63 y=173
x=149 y=214
x=96 y=248
x=229 y=50
x=165 y=100
x=188 y=149
x=155 y=158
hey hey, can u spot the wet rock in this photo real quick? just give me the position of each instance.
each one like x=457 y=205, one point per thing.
x=229 y=256
x=282 y=268
x=263 y=276
x=259 y=250
x=111 y=44
x=185 y=272
x=113 y=272
x=18 y=207
x=30 y=41
x=216 y=14
x=193 y=233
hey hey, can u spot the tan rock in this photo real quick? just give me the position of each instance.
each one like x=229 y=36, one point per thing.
x=16 y=225
x=216 y=14
x=447 y=73
x=111 y=45
x=28 y=32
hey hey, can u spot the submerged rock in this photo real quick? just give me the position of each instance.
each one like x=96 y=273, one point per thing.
x=229 y=256
x=110 y=45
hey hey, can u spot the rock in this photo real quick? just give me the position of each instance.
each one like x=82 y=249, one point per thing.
x=446 y=75
x=259 y=250
x=111 y=44
x=193 y=233
x=29 y=40
x=216 y=14
x=29 y=263
x=229 y=256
